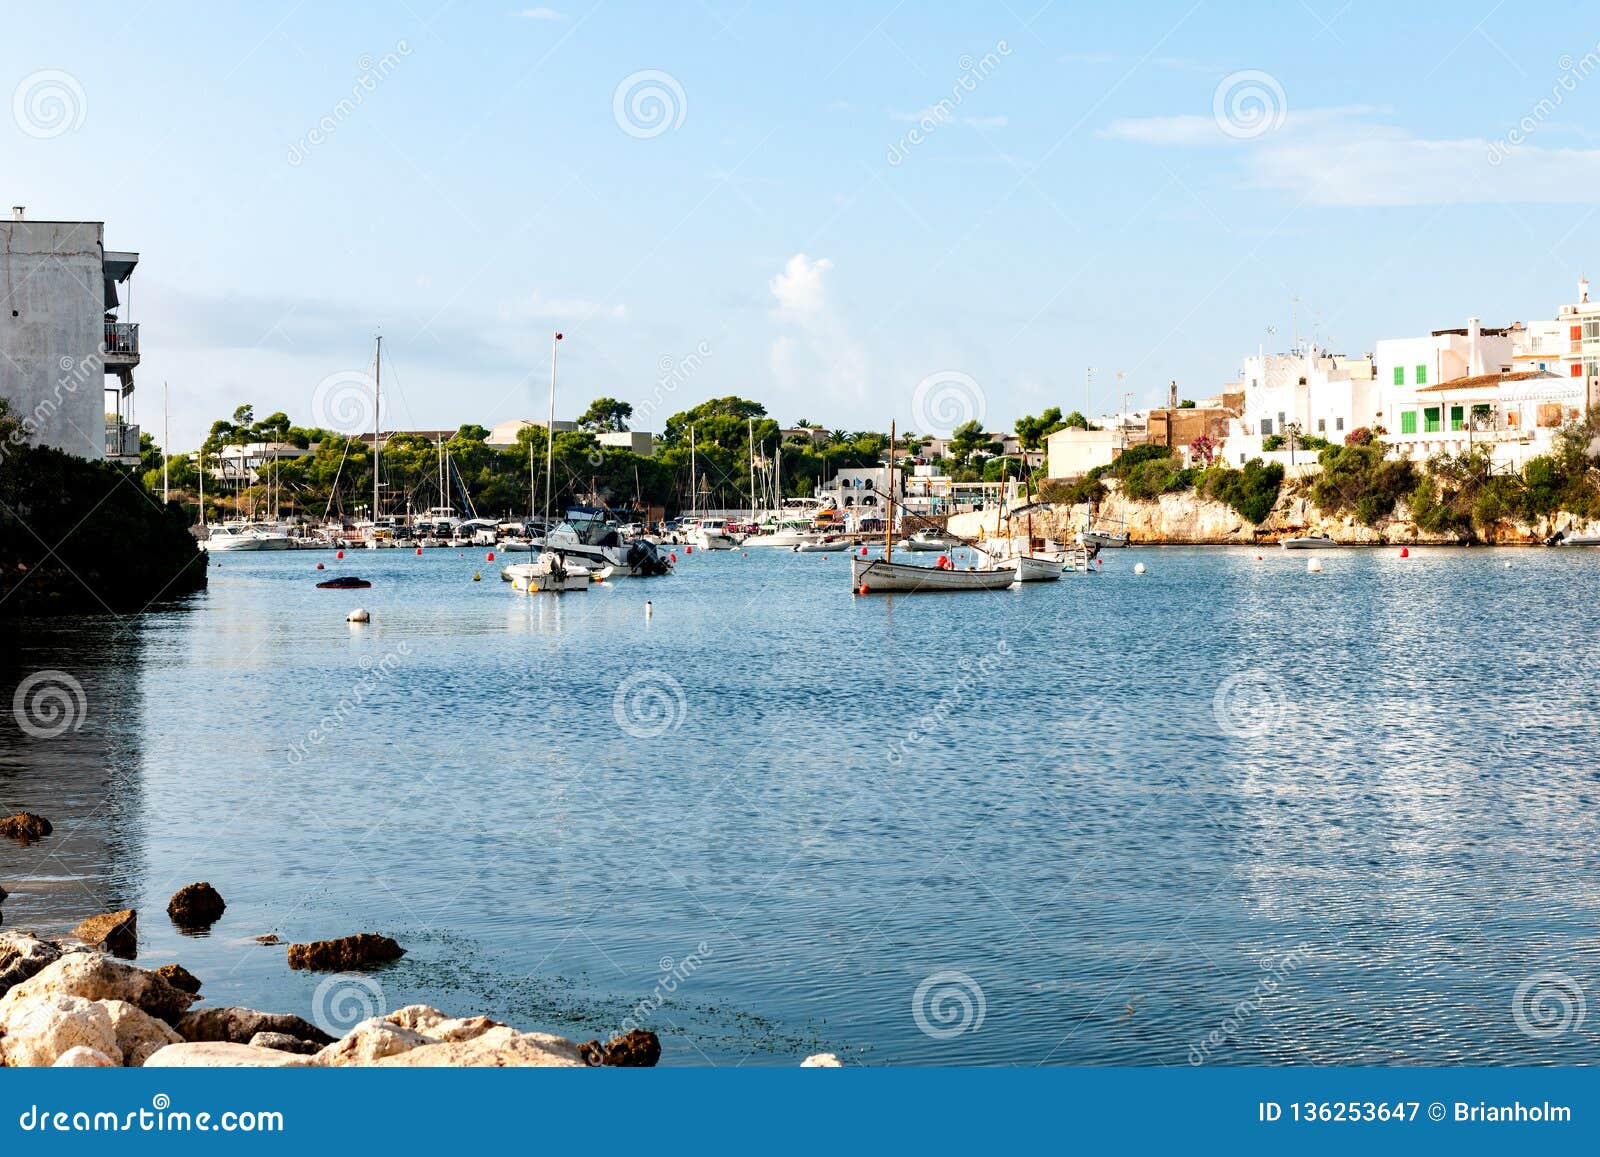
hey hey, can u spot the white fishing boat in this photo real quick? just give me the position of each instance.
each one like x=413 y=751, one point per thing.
x=548 y=574
x=1031 y=568
x=825 y=546
x=1307 y=542
x=711 y=534
x=1031 y=558
x=884 y=576
x=930 y=541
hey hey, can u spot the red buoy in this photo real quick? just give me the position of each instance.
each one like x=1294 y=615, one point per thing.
x=338 y=554
x=490 y=557
x=320 y=566
x=673 y=556
x=419 y=550
x=688 y=550
x=865 y=589
x=1405 y=552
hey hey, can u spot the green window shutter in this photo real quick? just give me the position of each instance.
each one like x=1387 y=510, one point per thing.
x=1408 y=422
x=1458 y=417
x=1422 y=375
x=1430 y=419
x=1399 y=375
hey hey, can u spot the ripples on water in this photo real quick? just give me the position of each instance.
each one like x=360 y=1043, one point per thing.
x=1383 y=826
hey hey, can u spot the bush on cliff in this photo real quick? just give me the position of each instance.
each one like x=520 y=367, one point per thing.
x=1251 y=490
x=82 y=536
x=1357 y=477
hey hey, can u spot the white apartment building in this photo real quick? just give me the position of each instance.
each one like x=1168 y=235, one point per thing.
x=1312 y=391
x=1568 y=345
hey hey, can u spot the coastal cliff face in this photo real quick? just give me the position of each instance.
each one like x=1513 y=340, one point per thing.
x=1184 y=518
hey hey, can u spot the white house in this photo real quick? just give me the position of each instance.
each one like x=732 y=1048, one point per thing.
x=1568 y=345
x=1311 y=391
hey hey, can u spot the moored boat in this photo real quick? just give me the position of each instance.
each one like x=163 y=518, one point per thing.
x=1307 y=542
x=881 y=576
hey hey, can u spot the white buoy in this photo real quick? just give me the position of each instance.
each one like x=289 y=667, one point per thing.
x=1508 y=564
x=1313 y=565
x=648 y=609
x=359 y=615
x=1138 y=568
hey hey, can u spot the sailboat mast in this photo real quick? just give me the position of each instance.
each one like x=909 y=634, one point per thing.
x=166 y=446
x=694 y=486
x=550 y=441
x=888 y=514
x=750 y=424
x=377 y=427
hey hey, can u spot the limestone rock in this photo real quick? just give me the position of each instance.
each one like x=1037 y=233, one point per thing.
x=179 y=977
x=370 y=1042
x=21 y=955
x=345 y=953
x=84 y=1057
x=639 y=1049
x=433 y=1023
x=499 y=1047
x=196 y=906
x=268 y=938
x=116 y=932
x=25 y=826
x=36 y=1030
x=822 y=1061
x=222 y=1055
x=283 y=1042
x=95 y=977
x=138 y=1033
x=239 y=1025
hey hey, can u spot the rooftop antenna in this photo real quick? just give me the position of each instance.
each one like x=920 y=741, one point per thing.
x=1294 y=320
x=1088 y=388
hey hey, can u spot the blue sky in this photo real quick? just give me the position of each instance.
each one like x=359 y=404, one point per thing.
x=1093 y=199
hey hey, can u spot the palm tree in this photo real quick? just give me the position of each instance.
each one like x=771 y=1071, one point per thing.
x=839 y=436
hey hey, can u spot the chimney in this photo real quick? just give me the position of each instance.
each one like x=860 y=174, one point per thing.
x=16 y=212
x=1474 y=348
x=1583 y=287
x=1172 y=396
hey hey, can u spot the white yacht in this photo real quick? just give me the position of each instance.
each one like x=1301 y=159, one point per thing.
x=231 y=536
x=589 y=538
x=712 y=534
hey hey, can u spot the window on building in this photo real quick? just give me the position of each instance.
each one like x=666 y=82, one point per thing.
x=1577 y=370
x=1322 y=425
x=1591 y=330
x=1422 y=375
x=1458 y=417
x=1283 y=419
x=1399 y=375
x=1408 y=421
x=1430 y=420
x=1338 y=423
x=1266 y=427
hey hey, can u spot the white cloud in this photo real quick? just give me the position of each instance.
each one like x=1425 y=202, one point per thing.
x=799 y=288
x=1348 y=157
x=543 y=14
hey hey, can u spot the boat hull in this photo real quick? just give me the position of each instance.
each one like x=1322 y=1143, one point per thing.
x=880 y=577
x=1104 y=538
x=1032 y=569
x=1307 y=543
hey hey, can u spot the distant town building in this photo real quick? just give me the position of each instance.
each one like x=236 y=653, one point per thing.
x=244 y=463
x=1306 y=391
x=504 y=434
x=640 y=442
x=69 y=350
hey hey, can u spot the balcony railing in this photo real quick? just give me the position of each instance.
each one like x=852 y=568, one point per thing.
x=122 y=338
x=122 y=440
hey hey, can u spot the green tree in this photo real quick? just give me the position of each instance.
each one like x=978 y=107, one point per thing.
x=606 y=414
x=1032 y=432
x=968 y=439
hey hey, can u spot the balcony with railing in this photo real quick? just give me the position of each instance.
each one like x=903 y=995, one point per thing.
x=122 y=441
x=122 y=343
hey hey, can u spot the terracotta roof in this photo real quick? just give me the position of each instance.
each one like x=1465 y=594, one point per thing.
x=1483 y=381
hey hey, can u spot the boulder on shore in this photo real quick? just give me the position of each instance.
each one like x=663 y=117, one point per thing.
x=116 y=932
x=84 y=1057
x=638 y=1049
x=347 y=952
x=138 y=1033
x=25 y=826
x=283 y=1042
x=179 y=977
x=93 y=976
x=822 y=1061
x=36 y=1030
x=21 y=955
x=196 y=906
x=238 y=1025
x=221 y=1055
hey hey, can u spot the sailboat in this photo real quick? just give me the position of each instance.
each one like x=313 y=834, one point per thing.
x=1030 y=559
x=549 y=573
x=884 y=575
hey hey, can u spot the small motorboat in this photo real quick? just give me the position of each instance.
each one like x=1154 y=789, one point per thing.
x=930 y=540
x=1031 y=568
x=1307 y=542
x=825 y=546
x=348 y=583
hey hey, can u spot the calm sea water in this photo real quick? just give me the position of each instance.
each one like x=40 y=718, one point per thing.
x=1225 y=811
